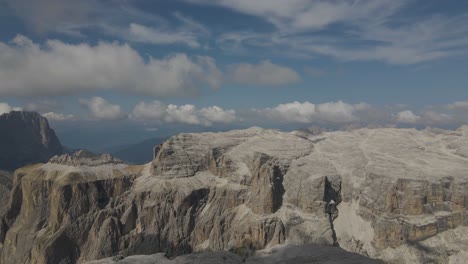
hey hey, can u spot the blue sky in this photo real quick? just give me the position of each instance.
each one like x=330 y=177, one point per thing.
x=151 y=68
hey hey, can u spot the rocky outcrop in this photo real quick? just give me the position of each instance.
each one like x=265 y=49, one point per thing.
x=399 y=195
x=85 y=158
x=26 y=138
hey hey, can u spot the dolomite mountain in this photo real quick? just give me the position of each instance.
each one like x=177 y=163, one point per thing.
x=398 y=195
x=26 y=138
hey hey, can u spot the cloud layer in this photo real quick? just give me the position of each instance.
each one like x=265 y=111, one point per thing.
x=335 y=113
x=101 y=109
x=184 y=114
x=306 y=112
x=57 y=68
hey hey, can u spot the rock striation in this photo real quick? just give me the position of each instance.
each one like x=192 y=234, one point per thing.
x=399 y=195
x=26 y=138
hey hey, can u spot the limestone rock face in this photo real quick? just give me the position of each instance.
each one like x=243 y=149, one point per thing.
x=26 y=138
x=399 y=195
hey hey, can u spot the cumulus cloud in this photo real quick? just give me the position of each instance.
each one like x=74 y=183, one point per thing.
x=101 y=109
x=306 y=112
x=407 y=117
x=58 y=117
x=264 y=73
x=154 y=110
x=184 y=114
x=460 y=105
x=215 y=114
x=29 y=69
x=6 y=108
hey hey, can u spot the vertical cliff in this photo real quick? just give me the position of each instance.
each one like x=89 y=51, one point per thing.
x=26 y=138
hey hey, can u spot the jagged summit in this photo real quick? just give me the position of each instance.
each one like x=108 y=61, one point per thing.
x=85 y=158
x=25 y=138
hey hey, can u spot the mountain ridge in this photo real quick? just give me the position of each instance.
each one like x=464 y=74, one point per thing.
x=398 y=195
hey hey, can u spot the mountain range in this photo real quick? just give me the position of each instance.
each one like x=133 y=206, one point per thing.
x=247 y=196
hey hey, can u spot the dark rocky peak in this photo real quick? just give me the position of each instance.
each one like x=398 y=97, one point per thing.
x=26 y=138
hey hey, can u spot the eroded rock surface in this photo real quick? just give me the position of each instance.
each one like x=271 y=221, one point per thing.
x=400 y=195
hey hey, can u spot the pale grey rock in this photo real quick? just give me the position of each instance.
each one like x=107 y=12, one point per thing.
x=391 y=194
x=85 y=158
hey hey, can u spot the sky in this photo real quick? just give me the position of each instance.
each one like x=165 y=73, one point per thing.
x=118 y=71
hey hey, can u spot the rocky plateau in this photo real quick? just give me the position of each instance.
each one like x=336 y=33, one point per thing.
x=395 y=195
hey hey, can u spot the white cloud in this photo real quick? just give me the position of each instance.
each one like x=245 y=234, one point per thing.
x=294 y=112
x=215 y=114
x=80 y=68
x=154 y=110
x=264 y=73
x=407 y=117
x=52 y=116
x=460 y=105
x=140 y=33
x=185 y=114
x=335 y=112
x=6 y=108
x=101 y=109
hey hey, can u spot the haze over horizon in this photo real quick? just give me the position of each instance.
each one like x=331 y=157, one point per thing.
x=110 y=72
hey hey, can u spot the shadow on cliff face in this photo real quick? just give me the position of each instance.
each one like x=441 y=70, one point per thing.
x=311 y=254
x=279 y=255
